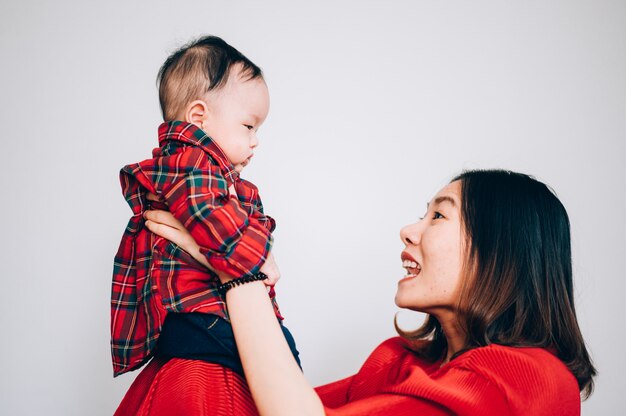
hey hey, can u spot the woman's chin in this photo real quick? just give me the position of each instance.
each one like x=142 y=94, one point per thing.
x=401 y=302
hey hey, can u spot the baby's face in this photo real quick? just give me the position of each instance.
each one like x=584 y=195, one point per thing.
x=234 y=116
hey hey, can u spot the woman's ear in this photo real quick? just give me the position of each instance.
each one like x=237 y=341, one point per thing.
x=196 y=113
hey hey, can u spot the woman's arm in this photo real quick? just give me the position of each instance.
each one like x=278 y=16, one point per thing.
x=276 y=382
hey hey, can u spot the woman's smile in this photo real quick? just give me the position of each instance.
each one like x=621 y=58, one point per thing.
x=412 y=266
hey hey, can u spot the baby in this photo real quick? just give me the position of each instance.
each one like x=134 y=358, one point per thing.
x=164 y=302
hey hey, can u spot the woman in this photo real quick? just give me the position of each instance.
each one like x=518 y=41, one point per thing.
x=490 y=263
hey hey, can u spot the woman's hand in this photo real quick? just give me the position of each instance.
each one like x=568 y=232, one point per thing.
x=165 y=225
x=270 y=269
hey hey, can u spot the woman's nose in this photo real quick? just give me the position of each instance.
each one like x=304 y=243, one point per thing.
x=409 y=234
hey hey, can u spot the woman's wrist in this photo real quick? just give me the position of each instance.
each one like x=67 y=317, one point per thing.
x=229 y=284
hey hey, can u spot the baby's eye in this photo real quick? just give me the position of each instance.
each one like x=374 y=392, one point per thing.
x=249 y=127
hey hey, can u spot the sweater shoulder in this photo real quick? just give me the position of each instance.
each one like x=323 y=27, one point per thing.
x=527 y=376
x=390 y=350
x=390 y=353
x=498 y=358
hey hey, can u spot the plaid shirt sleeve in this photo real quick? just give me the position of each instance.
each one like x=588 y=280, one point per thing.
x=235 y=239
x=250 y=199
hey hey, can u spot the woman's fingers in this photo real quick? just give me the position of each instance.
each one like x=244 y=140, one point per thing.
x=270 y=268
x=163 y=217
x=163 y=230
x=164 y=224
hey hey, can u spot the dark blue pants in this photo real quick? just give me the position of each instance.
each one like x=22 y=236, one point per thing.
x=206 y=337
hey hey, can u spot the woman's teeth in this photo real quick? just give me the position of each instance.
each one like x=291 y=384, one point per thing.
x=409 y=263
x=411 y=267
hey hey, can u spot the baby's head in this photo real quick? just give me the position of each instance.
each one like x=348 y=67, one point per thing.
x=212 y=85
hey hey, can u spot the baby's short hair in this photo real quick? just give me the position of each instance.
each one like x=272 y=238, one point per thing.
x=201 y=66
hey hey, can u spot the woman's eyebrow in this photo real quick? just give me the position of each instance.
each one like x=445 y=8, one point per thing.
x=441 y=199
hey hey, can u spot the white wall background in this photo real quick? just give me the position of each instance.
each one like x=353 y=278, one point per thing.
x=375 y=105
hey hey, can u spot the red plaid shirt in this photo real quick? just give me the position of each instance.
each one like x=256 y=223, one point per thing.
x=151 y=275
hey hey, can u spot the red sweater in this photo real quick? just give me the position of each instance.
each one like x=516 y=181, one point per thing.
x=493 y=380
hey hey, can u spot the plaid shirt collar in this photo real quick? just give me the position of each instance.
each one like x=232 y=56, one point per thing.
x=188 y=133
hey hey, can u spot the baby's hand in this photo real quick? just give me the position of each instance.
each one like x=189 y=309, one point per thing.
x=270 y=268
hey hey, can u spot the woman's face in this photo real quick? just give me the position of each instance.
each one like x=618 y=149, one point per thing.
x=433 y=256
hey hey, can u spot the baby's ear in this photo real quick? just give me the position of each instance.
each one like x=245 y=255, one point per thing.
x=196 y=113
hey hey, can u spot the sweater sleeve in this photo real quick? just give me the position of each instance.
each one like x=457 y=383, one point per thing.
x=232 y=239
x=394 y=381
x=335 y=394
x=388 y=404
x=470 y=395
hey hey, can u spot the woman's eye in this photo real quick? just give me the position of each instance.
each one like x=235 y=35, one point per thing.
x=437 y=215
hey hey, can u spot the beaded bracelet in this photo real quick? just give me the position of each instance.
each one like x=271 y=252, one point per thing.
x=225 y=287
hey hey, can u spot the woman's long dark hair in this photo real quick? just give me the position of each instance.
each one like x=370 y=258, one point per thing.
x=519 y=253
